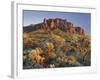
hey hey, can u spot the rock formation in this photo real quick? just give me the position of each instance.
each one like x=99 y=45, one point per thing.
x=51 y=24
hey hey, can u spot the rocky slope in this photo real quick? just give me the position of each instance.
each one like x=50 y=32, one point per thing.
x=55 y=43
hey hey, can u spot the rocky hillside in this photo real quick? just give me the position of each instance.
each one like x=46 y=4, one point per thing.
x=55 y=43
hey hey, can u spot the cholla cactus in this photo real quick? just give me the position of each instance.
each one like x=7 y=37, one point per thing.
x=49 y=46
x=35 y=56
x=38 y=50
x=83 y=50
x=58 y=39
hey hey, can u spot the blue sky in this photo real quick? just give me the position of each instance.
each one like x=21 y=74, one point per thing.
x=78 y=19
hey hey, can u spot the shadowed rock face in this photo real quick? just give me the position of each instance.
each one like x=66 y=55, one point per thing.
x=80 y=30
x=51 y=24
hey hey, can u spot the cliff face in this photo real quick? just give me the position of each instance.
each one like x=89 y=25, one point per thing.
x=51 y=24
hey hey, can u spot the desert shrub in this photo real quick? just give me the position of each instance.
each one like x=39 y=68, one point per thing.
x=87 y=60
x=57 y=50
x=36 y=65
x=29 y=43
x=28 y=64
